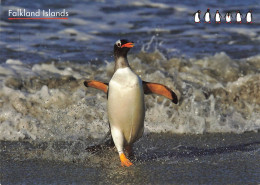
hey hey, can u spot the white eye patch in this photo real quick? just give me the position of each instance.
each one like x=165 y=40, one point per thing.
x=118 y=43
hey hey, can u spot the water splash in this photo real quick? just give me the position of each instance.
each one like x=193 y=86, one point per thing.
x=49 y=101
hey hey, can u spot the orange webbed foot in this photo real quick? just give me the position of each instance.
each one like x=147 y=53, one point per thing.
x=124 y=161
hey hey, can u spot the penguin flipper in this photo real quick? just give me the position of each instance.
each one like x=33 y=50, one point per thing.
x=160 y=90
x=97 y=85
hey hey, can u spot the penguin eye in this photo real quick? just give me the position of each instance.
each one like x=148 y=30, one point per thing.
x=119 y=44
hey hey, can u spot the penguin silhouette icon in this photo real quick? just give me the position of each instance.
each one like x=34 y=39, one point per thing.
x=197 y=16
x=228 y=17
x=239 y=17
x=249 y=17
x=207 y=16
x=218 y=17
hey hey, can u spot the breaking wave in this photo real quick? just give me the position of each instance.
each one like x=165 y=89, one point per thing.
x=48 y=101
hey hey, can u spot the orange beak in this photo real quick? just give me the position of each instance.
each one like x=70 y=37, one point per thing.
x=128 y=45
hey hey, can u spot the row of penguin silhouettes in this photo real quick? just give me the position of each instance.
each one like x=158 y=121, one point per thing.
x=228 y=17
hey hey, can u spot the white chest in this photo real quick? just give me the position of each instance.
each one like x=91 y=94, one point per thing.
x=207 y=17
x=124 y=78
x=197 y=19
x=248 y=17
x=239 y=17
x=125 y=91
x=228 y=18
x=217 y=17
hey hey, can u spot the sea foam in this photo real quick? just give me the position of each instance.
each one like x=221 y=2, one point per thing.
x=49 y=101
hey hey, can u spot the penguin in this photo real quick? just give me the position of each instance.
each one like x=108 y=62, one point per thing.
x=126 y=107
x=239 y=17
x=249 y=16
x=197 y=16
x=228 y=17
x=207 y=16
x=218 y=17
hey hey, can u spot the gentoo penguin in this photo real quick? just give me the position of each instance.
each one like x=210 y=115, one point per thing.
x=197 y=16
x=207 y=16
x=218 y=17
x=228 y=17
x=126 y=108
x=249 y=16
x=239 y=17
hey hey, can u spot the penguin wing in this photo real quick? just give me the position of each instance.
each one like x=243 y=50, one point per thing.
x=97 y=85
x=160 y=89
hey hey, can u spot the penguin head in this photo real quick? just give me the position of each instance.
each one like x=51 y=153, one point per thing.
x=198 y=11
x=122 y=47
x=208 y=10
x=238 y=11
x=217 y=11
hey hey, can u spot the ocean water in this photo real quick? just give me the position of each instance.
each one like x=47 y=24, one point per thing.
x=48 y=118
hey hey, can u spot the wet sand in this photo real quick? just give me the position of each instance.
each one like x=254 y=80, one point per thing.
x=159 y=159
